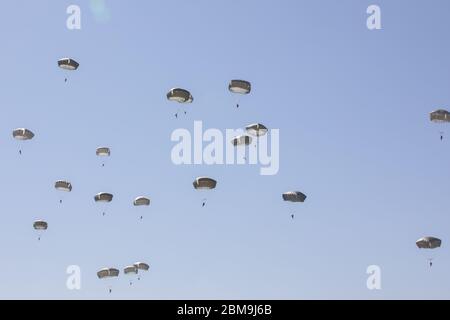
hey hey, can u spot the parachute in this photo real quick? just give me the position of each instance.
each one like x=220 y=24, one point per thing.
x=440 y=116
x=180 y=95
x=256 y=129
x=63 y=186
x=241 y=140
x=22 y=134
x=240 y=86
x=108 y=273
x=68 y=64
x=103 y=197
x=294 y=196
x=204 y=183
x=130 y=271
x=428 y=243
x=141 y=266
x=103 y=152
x=40 y=226
x=141 y=201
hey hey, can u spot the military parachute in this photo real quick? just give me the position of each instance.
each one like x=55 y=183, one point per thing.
x=256 y=129
x=104 y=198
x=440 y=116
x=68 y=64
x=204 y=183
x=141 y=266
x=130 y=271
x=239 y=87
x=40 y=226
x=294 y=196
x=108 y=274
x=428 y=243
x=181 y=96
x=141 y=201
x=103 y=152
x=64 y=186
x=242 y=140
x=22 y=134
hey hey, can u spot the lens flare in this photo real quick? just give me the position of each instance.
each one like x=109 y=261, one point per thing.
x=100 y=11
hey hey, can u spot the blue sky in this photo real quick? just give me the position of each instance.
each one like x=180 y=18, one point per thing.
x=352 y=108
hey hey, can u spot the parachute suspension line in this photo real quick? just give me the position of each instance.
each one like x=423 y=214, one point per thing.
x=179 y=112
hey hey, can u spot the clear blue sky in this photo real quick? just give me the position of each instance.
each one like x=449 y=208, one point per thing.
x=352 y=108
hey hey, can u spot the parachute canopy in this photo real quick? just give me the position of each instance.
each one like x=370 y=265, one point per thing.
x=294 y=196
x=142 y=266
x=23 y=134
x=130 y=270
x=256 y=129
x=428 y=243
x=141 y=201
x=40 y=225
x=103 y=197
x=108 y=273
x=241 y=140
x=204 y=183
x=240 y=86
x=68 y=64
x=440 y=116
x=103 y=152
x=180 y=95
x=63 y=186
